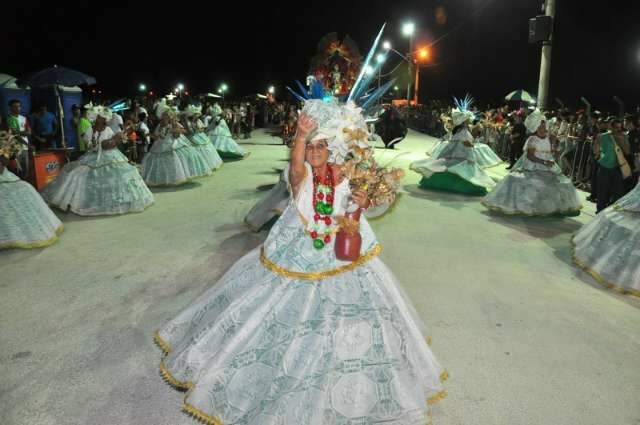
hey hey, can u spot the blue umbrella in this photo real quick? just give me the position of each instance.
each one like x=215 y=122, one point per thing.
x=58 y=75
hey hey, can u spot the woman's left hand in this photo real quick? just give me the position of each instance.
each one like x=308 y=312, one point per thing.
x=360 y=197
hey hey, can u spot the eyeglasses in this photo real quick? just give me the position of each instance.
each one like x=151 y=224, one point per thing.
x=318 y=147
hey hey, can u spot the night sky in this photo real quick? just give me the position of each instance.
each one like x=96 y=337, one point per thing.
x=482 y=47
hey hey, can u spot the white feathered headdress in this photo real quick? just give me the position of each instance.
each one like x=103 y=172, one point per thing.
x=343 y=126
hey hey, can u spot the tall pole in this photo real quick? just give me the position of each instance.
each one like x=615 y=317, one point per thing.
x=545 y=61
x=410 y=67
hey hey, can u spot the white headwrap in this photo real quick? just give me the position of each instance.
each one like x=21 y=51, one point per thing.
x=162 y=108
x=458 y=116
x=533 y=121
x=343 y=126
x=93 y=112
x=193 y=110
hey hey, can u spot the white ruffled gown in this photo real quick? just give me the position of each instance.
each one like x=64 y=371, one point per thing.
x=172 y=161
x=203 y=144
x=100 y=182
x=455 y=168
x=608 y=247
x=222 y=139
x=292 y=336
x=25 y=219
x=534 y=189
x=483 y=155
x=271 y=205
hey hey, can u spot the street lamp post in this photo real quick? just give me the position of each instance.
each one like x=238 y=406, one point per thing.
x=408 y=29
x=423 y=55
x=222 y=90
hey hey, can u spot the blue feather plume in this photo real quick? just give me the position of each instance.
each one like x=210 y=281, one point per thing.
x=356 y=86
x=296 y=95
x=377 y=94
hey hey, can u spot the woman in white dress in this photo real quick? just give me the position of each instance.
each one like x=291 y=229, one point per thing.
x=102 y=181
x=198 y=137
x=535 y=186
x=455 y=169
x=172 y=160
x=25 y=219
x=221 y=137
x=608 y=247
x=291 y=335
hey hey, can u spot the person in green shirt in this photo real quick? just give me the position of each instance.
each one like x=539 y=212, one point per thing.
x=610 y=182
x=84 y=136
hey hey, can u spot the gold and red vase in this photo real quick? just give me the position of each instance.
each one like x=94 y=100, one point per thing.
x=348 y=240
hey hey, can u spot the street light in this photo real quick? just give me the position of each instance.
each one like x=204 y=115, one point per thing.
x=142 y=87
x=423 y=55
x=386 y=45
x=272 y=89
x=222 y=90
x=179 y=88
x=408 y=28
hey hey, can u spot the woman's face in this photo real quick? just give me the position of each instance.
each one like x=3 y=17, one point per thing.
x=317 y=153
x=542 y=130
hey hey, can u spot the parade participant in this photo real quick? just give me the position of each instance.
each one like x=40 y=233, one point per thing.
x=483 y=155
x=291 y=312
x=607 y=246
x=221 y=138
x=25 y=219
x=455 y=169
x=535 y=186
x=196 y=135
x=172 y=160
x=101 y=182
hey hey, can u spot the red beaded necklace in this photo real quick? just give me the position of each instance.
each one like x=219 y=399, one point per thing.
x=323 y=196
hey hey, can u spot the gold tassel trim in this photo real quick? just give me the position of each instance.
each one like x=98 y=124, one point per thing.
x=437 y=398
x=200 y=415
x=601 y=280
x=444 y=376
x=168 y=377
x=318 y=275
x=429 y=341
x=36 y=244
x=164 y=346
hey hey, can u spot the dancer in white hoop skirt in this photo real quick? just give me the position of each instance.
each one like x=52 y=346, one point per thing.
x=608 y=247
x=172 y=160
x=25 y=219
x=293 y=336
x=102 y=181
x=198 y=137
x=535 y=186
x=221 y=137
